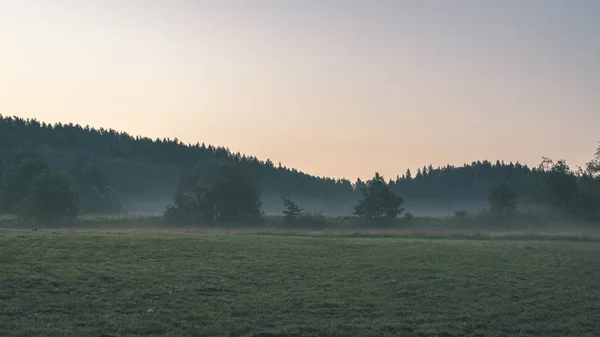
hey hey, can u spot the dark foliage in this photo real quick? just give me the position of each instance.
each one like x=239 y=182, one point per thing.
x=96 y=196
x=107 y=165
x=470 y=181
x=141 y=167
x=291 y=210
x=593 y=167
x=461 y=214
x=18 y=177
x=559 y=185
x=50 y=197
x=378 y=201
x=93 y=195
x=93 y=199
x=502 y=199
x=215 y=192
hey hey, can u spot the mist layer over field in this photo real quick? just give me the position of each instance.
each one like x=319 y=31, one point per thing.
x=272 y=205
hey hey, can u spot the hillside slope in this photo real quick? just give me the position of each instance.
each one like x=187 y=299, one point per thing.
x=146 y=171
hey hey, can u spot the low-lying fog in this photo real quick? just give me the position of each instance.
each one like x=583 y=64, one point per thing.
x=272 y=205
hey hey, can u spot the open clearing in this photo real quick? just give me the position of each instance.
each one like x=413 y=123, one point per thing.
x=136 y=283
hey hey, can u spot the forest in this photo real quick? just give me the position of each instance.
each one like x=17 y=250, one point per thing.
x=109 y=169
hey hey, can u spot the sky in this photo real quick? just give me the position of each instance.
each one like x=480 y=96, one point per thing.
x=337 y=88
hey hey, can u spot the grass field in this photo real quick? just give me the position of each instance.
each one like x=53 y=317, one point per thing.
x=174 y=283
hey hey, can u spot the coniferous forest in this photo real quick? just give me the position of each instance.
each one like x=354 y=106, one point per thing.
x=109 y=169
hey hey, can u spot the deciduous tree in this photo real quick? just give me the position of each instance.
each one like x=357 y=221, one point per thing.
x=18 y=177
x=215 y=191
x=50 y=198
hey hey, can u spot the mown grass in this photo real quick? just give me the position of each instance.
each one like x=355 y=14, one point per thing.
x=188 y=283
x=473 y=226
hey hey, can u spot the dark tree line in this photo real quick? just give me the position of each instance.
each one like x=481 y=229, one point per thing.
x=106 y=165
x=140 y=166
x=470 y=181
x=31 y=188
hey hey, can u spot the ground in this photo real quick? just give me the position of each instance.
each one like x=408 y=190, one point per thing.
x=143 y=283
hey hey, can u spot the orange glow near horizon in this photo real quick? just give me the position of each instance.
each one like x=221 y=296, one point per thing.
x=336 y=88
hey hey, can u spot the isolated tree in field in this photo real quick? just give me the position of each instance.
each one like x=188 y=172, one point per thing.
x=502 y=199
x=215 y=191
x=235 y=194
x=17 y=178
x=50 y=198
x=291 y=210
x=378 y=201
x=192 y=201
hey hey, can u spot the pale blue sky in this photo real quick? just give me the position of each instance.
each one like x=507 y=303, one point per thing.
x=336 y=88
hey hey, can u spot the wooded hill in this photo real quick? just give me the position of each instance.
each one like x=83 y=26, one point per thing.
x=140 y=167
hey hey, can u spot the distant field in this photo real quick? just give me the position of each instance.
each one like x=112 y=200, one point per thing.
x=185 y=283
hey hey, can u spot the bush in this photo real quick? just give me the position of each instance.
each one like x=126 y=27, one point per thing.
x=215 y=193
x=49 y=198
x=17 y=178
x=314 y=220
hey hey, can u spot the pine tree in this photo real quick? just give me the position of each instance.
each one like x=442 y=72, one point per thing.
x=291 y=211
x=378 y=201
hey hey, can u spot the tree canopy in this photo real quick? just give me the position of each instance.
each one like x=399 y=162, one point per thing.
x=215 y=192
x=107 y=166
x=49 y=198
x=378 y=201
x=17 y=178
x=137 y=166
x=502 y=199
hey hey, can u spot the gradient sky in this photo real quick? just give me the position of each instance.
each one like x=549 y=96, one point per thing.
x=338 y=88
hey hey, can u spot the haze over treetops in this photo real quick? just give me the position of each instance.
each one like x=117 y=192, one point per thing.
x=333 y=88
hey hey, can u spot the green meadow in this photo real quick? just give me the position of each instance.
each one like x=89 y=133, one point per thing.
x=97 y=282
